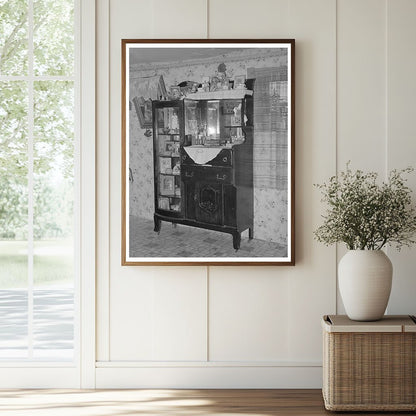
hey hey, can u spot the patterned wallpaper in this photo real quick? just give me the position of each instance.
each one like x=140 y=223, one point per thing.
x=270 y=199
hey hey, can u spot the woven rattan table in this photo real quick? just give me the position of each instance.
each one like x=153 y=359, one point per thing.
x=369 y=366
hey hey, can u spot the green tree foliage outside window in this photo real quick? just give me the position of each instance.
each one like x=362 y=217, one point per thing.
x=53 y=118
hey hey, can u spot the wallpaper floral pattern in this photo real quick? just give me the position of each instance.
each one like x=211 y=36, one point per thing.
x=270 y=197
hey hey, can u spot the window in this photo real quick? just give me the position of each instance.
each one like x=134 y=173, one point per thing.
x=38 y=185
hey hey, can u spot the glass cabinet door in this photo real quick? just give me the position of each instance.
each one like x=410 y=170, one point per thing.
x=232 y=121
x=167 y=159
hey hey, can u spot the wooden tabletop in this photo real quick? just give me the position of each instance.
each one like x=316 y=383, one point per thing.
x=390 y=323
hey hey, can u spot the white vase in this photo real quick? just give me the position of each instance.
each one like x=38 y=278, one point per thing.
x=364 y=278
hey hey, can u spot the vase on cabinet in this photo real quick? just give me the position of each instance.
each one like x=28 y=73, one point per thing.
x=365 y=278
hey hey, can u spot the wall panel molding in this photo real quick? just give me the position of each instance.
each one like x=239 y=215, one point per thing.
x=210 y=377
x=354 y=78
x=103 y=180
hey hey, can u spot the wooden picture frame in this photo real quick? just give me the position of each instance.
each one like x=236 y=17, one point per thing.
x=232 y=199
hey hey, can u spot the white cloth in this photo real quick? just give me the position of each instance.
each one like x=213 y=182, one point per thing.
x=201 y=154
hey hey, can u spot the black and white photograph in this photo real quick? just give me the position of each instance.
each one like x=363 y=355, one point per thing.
x=208 y=173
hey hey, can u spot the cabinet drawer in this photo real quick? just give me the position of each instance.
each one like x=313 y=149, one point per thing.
x=207 y=174
x=224 y=158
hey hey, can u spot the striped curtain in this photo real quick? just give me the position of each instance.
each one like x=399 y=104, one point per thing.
x=270 y=127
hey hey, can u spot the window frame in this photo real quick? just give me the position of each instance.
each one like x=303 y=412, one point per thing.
x=81 y=371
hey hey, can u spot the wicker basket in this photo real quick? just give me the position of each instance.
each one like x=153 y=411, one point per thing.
x=369 y=366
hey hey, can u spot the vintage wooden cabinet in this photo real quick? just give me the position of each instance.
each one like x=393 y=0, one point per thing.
x=203 y=162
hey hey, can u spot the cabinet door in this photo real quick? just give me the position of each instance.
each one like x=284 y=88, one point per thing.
x=167 y=135
x=209 y=203
x=190 y=199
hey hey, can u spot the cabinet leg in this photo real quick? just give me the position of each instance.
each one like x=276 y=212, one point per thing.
x=158 y=224
x=236 y=240
x=250 y=233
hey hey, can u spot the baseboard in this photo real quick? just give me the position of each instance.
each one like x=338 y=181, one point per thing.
x=39 y=378
x=209 y=377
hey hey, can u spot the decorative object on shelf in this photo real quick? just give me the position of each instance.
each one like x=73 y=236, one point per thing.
x=165 y=165
x=177 y=170
x=188 y=87
x=163 y=203
x=167 y=185
x=214 y=84
x=201 y=170
x=223 y=82
x=161 y=89
x=175 y=92
x=239 y=82
x=366 y=216
x=205 y=84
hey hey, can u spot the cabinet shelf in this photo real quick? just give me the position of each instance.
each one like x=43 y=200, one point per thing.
x=220 y=95
x=171 y=156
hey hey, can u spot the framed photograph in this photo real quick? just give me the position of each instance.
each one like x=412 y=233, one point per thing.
x=144 y=111
x=169 y=148
x=239 y=82
x=164 y=203
x=198 y=201
x=165 y=165
x=175 y=92
x=167 y=185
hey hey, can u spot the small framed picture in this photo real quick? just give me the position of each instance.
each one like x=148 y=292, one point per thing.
x=172 y=148
x=169 y=148
x=144 y=111
x=167 y=185
x=239 y=82
x=165 y=165
x=163 y=203
x=175 y=92
x=215 y=84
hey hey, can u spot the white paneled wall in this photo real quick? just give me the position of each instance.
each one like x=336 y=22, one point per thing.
x=361 y=88
x=401 y=132
x=254 y=326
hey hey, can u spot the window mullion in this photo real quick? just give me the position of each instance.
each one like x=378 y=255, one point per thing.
x=30 y=177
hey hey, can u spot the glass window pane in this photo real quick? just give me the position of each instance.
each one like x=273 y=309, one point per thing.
x=53 y=321
x=13 y=310
x=13 y=220
x=13 y=161
x=168 y=159
x=53 y=196
x=13 y=37
x=53 y=37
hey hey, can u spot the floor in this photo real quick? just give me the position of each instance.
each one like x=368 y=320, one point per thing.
x=185 y=241
x=165 y=402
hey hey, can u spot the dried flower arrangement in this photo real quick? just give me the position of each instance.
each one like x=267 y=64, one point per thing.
x=366 y=215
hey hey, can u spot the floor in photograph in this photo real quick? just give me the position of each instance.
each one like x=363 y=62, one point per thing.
x=186 y=241
x=166 y=402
